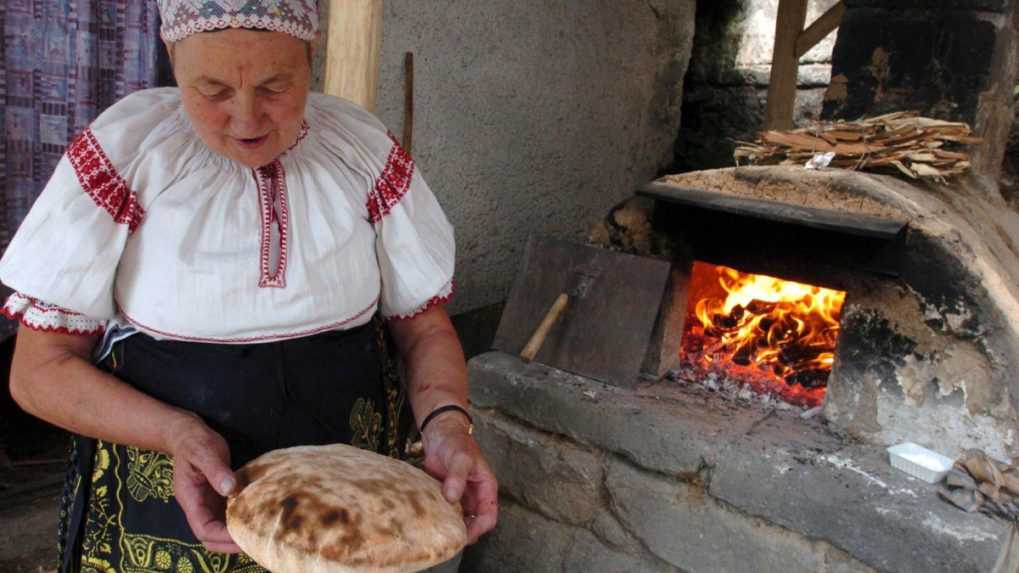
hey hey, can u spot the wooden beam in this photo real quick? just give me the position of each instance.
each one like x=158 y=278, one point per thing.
x=821 y=27
x=352 y=56
x=792 y=15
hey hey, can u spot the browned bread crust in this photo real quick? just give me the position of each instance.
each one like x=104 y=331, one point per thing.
x=339 y=509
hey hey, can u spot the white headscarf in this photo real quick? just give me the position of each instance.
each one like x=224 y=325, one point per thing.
x=182 y=18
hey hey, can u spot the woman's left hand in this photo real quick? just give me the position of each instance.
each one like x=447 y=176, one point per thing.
x=435 y=362
x=453 y=456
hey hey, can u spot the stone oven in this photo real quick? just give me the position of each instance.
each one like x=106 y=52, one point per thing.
x=915 y=339
x=927 y=344
x=669 y=473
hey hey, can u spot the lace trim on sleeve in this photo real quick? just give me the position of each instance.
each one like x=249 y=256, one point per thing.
x=442 y=298
x=39 y=315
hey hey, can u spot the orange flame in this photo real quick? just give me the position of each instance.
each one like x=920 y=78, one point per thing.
x=779 y=336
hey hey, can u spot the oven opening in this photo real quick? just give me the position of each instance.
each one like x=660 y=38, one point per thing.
x=769 y=336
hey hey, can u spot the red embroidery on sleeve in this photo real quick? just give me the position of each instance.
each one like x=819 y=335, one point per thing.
x=393 y=183
x=100 y=180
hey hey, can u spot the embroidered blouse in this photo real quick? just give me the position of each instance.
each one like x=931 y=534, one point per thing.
x=143 y=226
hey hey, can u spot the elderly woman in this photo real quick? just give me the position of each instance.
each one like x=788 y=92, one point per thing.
x=197 y=285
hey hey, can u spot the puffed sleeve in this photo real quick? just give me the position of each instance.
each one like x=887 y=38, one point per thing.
x=414 y=244
x=63 y=258
x=414 y=240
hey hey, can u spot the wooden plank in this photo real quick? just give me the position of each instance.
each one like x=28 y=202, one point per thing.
x=662 y=353
x=813 y=217
x=352 y=55
x=855 y=149
x=801 y=141
x=821 y=27
x=792 y=14
x=845 y=135
x=606 y=330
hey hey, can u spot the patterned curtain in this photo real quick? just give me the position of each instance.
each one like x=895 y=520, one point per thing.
x=62 y=62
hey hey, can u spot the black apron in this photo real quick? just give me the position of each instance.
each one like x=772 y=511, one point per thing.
x=118 y=513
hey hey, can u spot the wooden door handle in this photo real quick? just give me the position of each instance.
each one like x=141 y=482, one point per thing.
x=538 y=338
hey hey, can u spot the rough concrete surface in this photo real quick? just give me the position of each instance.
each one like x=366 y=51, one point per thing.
x=28 y=536
x=685 y=527
x=855 y=500
x=527 y=541
x=704 y=484
x=676 y=436
x=565 y=485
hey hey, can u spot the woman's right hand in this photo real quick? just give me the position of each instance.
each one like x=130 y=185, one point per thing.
x=99 y=405
x=202 y=479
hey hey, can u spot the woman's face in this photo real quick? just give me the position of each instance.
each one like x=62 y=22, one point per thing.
x=244 y=91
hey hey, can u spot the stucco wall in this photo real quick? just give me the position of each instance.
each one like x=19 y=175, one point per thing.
x=532 y=116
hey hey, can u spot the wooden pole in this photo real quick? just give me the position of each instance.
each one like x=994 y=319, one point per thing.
x=792 y=15
x=408 y=101
x=821 y=27
x=352 y=56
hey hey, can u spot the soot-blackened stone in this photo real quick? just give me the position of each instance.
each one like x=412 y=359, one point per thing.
x=937 y=61
x=870 y=343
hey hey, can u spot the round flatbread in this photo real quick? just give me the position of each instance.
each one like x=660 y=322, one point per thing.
x=340 y=509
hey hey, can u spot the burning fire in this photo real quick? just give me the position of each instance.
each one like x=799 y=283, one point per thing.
x=777 y=336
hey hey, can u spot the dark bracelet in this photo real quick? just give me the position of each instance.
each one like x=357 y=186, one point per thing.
x=447 y=408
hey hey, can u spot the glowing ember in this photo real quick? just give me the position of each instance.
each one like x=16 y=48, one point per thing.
x=777 y=336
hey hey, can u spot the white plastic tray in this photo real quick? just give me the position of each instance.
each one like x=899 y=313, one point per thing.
x=919 y=462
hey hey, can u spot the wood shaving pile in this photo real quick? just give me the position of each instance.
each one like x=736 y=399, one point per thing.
x=899 y=143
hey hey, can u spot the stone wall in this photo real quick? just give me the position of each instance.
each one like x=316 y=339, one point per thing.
x=666 y=478
x=725 y=96
x=593 y=511
x=533 y=117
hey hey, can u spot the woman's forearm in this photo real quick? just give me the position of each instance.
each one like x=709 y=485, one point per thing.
x=434 y=359
x=53 y=379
